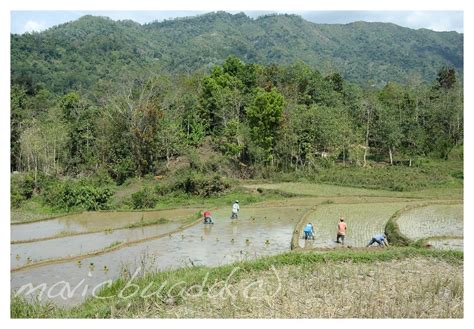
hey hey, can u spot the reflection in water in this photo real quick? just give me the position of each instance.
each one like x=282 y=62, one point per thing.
x=224 y=242
x=308 y=244
x=83 y=244
x=91 y=222
x=207 y=229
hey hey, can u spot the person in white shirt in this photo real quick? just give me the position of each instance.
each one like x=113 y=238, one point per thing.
x=235 y=210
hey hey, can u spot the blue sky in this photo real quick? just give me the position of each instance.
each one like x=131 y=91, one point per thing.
x=28 y=21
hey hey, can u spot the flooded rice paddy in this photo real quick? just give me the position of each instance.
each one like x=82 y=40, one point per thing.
x=447 y=243
x=91 y=222
x=26 y=253
x=257 y=232
x=362 y=220
x=432 y=221
x=262 y=229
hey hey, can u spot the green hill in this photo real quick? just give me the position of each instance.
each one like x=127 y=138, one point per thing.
x=96 y=51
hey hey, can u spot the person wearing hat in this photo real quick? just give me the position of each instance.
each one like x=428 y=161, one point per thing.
x=235 y=210
x=341 y=231
x=381 y=239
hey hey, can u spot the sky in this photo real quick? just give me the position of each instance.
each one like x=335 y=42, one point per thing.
x=29 y=21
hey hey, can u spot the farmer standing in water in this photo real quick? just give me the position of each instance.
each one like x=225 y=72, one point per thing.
x=341 y=231
x=235 y=210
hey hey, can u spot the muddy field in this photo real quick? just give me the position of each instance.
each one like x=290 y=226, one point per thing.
x=27 y=253
x=432 y=221
x=257 y=232
x=447 y=243
x=92 y=222
x=262 y=229
x=363 y=221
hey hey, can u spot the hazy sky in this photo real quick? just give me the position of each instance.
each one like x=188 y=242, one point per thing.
x=28 y=21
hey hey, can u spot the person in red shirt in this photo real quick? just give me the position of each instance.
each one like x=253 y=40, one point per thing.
x=341 y=231
x=208 y=218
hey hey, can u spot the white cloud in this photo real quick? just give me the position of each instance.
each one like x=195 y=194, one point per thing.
x=33 y=26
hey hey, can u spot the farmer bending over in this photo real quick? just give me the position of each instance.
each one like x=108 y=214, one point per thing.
x=308 y=231
x=381 y=239
x=207 y=217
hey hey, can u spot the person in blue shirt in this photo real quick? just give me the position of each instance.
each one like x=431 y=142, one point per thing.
x=381 y=239
x=309 y=231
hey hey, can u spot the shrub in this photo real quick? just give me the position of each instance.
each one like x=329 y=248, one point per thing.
x=100 y=178
x=122 y=170
x=16 y=199
x=71 y=194
x=21 y=189
x=198 y=184
x=145 y=198
x=459 y=174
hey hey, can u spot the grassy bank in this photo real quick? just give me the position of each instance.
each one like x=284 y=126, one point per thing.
x=340 y=283
x=29 y=211
x=427 y=179
x=425 y=174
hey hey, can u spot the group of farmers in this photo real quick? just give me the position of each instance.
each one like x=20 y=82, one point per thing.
x=380 y=239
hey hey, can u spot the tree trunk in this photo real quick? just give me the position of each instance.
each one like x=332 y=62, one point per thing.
x=365 y=156
x=367 y=135
x=391 y=155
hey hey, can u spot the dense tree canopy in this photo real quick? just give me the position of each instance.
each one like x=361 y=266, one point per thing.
x=284 y=117
x=93 y=53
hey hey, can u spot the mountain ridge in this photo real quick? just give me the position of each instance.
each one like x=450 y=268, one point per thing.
x=361 y=51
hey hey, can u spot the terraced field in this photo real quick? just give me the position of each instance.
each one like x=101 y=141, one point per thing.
x=363 y=221
x=65 y=248
x=70 y=246
x=259 y=231
x=92 y=222
x=447 y=243
x=432 y=221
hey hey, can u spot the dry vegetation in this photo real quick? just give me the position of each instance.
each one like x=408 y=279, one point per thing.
x=414 y=288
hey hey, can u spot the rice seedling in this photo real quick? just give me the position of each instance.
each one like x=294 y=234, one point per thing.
x=432 y=221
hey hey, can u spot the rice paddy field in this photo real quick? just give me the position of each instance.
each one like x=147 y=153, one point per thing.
x=432 y=221
x=363 y=221
x=92 y=222
x=446 y=243
x=93 y=247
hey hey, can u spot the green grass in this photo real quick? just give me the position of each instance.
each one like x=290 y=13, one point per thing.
x=241 y=194
x=95 y=308
x=428 y=179
x=148 y=222
x=424 y=175
x=395 y=178
x=32 y=210
x=114 y=244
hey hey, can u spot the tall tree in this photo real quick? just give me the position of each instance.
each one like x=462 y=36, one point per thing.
x=264 y=116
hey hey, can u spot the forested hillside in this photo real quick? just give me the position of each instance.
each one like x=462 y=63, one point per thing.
x=117 y=100
x=96 y=51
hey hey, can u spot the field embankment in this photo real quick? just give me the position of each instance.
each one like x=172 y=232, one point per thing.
x=337 y=284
